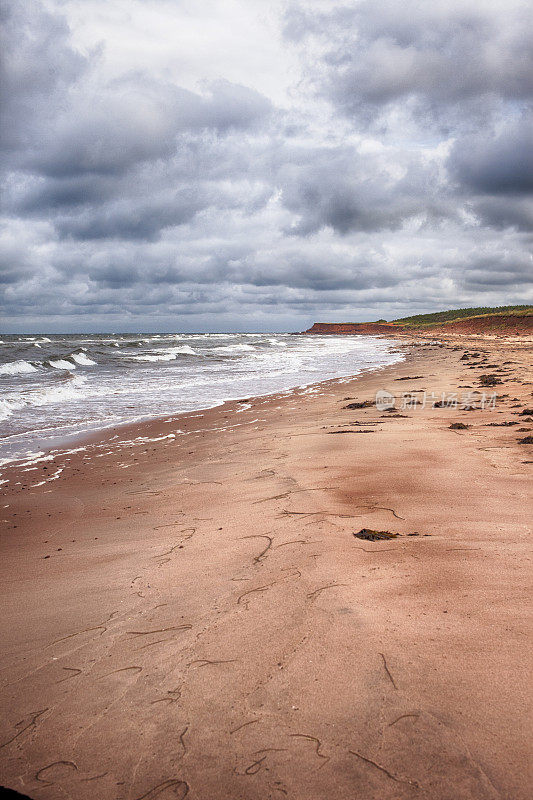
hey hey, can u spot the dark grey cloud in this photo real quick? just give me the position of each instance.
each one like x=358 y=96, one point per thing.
x=496 y=164
x=494 y=173
x=438 y=59
x=349 y=191
x=38 y=66
x=386 y=169
x=501 y=214
x=510 y=269
x=135 y=121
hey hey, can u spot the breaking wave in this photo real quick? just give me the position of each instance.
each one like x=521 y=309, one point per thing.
x=60 y=363
x=68 y=390
x=170 y=354
x=17 y=368
x=81 y=358
x=234 y=348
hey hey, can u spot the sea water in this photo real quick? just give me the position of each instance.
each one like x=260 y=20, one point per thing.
x=57 y=387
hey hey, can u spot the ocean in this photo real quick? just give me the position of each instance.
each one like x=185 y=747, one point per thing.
x=54 y=388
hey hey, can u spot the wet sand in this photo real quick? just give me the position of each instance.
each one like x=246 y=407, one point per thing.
x=190 y=615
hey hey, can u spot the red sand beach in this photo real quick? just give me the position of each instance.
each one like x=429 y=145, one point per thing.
x=187 y=612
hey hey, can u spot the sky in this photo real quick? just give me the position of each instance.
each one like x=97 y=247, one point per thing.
x=259 y=165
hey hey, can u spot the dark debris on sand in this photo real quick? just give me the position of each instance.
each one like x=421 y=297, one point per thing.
x=489 y=379
x=370 y=535
x=351 y=431
x=374 y=536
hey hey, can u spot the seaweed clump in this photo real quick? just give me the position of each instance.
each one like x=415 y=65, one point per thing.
x=374 y=536
x=459 y=426
x=489 y=379
x=362 y=404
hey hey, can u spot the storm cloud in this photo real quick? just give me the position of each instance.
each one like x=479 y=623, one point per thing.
x=258 y=166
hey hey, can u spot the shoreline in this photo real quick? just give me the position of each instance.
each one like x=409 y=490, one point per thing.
x=55 y=442
x=193 y=616
x=99 y=436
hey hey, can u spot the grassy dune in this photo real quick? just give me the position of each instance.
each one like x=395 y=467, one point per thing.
x=463 y=314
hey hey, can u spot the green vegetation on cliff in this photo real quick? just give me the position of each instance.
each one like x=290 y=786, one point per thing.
x=424 y=320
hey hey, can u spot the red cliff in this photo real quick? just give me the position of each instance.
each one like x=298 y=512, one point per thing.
x=495 y=324
x=353 y=328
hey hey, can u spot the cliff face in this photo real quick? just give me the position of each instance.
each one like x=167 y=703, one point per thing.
x=352 y=328
x=496 y=324
x=508 y=325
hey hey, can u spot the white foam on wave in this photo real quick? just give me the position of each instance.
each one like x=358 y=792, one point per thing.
x=69 y=390
x=169 y=354
x=234 y=348
x=81 y=358
x=17 y=368
x=61 y=363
